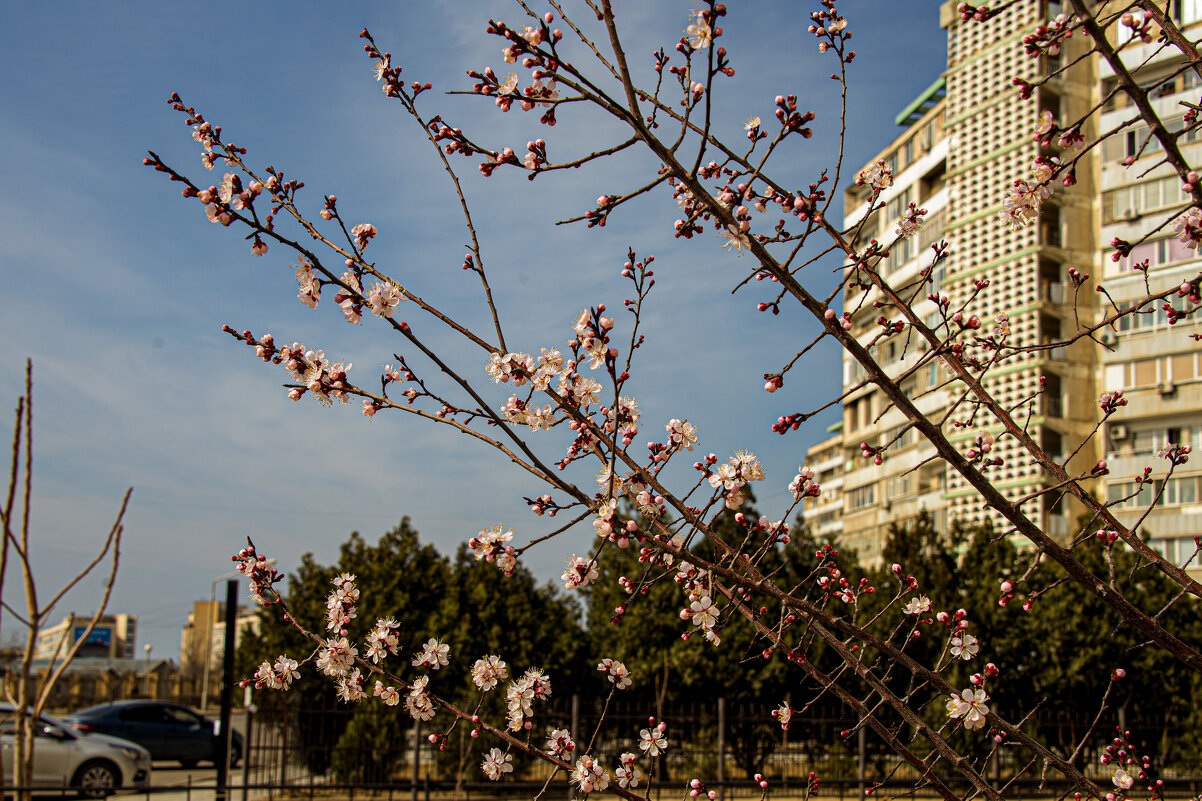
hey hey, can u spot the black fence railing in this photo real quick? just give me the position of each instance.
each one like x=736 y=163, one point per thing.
x=374 y=750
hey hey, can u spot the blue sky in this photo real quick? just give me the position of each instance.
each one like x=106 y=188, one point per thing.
x=117 y=288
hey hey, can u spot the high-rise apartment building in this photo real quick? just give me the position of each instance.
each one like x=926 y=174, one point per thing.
x=203 y=636
x=962 y=143
x=1155 y=364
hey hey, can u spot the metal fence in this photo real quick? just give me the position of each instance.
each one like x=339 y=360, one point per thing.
x=378 y=751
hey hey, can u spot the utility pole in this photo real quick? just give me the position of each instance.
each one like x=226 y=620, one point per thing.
x=227 y=691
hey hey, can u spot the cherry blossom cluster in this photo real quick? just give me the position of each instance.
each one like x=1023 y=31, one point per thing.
x=982 y=445
x=653 y=740
x=520 y=695
x=589 y=775
x=1175 y=454
x=964 y=646
x=382 y=641
x=836 y=585
x=387 y=694
x=336 y=657
x=697 y=790
x=260 y=574
x=622 y=419
x=579 y=572
x=803 y=484
x=731 y=476
x=627 y=773
x=1001 y=325
x=617 y=673
x=918 y=605
x=1128 y=766
x=524 y=43
x=681 y=434
x=1188 y=227
x=433 y=655
x=1139 y=23
x=967 y=12
x=1067 y=139
x=488 y=671
x=340 y=603
x=1047 y=39
x=313 y=373
x=970 y=707
x=699 y=33
x=783 y=715
x=559 y=743
x=278 y=676
x=878 y=175
x=1025 y=196
x=1110 y=402
x=418 y=703
x=496 y=764
x=873 y=452
x=830 y=28
x=492 y=545
x=702 y=612
x=911 y=221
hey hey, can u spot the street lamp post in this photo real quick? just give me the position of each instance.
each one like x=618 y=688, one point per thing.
x=146 y=649
x=212 y=619
x=212 y=625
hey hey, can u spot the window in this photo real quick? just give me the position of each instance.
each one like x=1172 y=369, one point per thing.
x=900 y=253
x=1178 y=550
x=1161 y=253
x=143 y=714
x=904 y=437
x=861 y=497
x=181 y=717
x=1132 y=201
x=896 y=207
x=899 y=486
x=1173 y=492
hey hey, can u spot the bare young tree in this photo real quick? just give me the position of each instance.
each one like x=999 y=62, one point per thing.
x=578 y=396
x=27 y=691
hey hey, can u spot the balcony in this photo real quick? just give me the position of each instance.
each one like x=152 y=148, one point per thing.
x=1052 y=405
x=1056 y=354
x=1051 y=292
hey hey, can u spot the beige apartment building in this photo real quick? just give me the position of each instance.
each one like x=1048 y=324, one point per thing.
x=203 y=636
x=961 y=143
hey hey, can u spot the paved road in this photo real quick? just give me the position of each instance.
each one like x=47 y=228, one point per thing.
x=170 y=782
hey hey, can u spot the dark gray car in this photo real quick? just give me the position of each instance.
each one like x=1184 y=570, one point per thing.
x=168 y=731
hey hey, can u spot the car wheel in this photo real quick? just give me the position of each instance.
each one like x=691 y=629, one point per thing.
x=189 y=763
x=96 y=779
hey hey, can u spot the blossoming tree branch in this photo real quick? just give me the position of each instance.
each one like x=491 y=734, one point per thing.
x=575 y=396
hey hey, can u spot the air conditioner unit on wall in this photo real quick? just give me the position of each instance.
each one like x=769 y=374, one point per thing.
x=1166 y=388
x=1129 y=214
x=1119 y=431
x=1108 y=338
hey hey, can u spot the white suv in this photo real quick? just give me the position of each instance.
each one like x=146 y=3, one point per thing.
x=94 y=764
